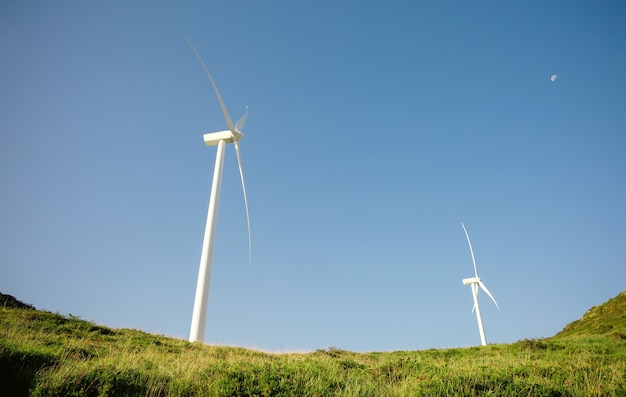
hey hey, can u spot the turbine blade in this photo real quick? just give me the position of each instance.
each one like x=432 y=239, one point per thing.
x=240 y=123
x=229 y=123
x=245 y=199
x=475 y=296
x=484 y=288
x=471 y=250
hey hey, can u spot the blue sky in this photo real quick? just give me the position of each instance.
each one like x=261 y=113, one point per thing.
x=374 y=130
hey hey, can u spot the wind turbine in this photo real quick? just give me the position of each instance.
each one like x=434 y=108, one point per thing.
x=220 y=138
x=475 y=282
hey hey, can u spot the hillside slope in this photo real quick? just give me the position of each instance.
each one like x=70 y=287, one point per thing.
x=9 y=301
x=48 y=354
x=608 y=319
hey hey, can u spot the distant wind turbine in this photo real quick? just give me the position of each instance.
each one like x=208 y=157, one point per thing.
x=221 y=138
x=475 y=282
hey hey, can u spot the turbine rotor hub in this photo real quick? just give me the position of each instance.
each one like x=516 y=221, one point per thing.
x=237 y=136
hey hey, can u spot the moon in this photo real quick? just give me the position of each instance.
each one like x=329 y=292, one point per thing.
x=553 y=77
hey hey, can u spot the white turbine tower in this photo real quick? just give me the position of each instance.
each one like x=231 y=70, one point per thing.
x=475 y=282
x=221 y=138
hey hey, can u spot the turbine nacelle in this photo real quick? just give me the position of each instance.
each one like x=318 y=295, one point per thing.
x=471 y=280
x=213 y=138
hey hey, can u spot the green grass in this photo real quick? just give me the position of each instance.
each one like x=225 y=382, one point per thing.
x=47 y=354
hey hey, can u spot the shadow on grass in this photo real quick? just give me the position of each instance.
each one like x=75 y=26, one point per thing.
x=18 y=371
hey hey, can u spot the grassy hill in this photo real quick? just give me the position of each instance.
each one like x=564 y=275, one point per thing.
x=47 y=354
x=608 y=319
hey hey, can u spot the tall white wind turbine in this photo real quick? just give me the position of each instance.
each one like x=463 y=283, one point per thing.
x=220 y=138
x=475 y=282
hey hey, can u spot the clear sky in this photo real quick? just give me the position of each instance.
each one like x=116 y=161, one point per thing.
x=374 y=130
